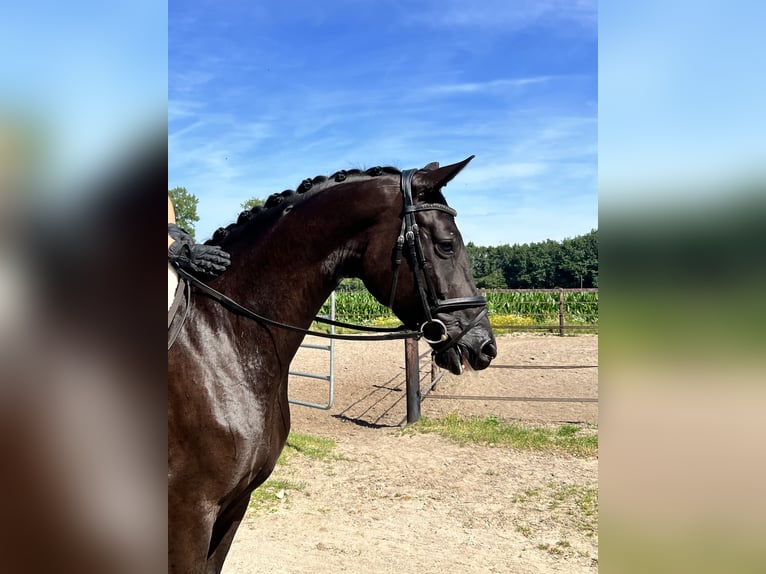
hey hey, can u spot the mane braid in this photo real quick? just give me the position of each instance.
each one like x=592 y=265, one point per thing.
x=319 y=183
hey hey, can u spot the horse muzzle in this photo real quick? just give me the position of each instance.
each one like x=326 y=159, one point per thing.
x=457 y=348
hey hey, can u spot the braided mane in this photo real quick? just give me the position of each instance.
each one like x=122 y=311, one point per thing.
x=288 y=196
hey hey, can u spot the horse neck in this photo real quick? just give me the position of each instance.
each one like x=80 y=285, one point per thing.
x=287 y=270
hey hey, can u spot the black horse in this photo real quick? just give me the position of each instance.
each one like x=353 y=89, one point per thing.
x=228 y=414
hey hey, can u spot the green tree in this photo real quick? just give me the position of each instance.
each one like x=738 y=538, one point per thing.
x=517 y=267
x=543 y=265
x=579 y=266
x=185 y=206
x=252 y=202
x=590 y=244
x=494 y=280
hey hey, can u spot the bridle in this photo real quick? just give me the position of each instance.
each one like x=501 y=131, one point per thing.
x=433 y=331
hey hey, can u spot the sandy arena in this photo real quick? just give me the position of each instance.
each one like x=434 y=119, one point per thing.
x=400 y=501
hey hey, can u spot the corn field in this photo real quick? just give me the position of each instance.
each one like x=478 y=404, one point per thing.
x=509 y=310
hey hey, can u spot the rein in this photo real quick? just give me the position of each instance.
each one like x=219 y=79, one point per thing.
x=433 y=331
x=235 y=307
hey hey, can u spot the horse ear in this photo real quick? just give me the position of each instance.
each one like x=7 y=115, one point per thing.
x=439 y=176
x=431 y=166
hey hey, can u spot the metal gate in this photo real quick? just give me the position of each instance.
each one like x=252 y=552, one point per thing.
x=330 y=378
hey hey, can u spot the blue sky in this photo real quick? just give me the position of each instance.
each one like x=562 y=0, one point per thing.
x=264 y=94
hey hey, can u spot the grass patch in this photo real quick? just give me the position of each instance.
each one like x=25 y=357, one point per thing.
x=310 y=446
x=580 y=503
x=527 y=495
x=276 y=490
x=570 y=439
x=524 y=530
x=585 y=498
x=271 y=494
x=572 y=507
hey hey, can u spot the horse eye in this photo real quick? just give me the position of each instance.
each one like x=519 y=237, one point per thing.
x=445 y=247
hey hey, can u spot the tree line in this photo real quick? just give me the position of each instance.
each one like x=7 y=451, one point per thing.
x=571 y=263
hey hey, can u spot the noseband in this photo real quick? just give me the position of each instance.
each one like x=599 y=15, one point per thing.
x=433 y=330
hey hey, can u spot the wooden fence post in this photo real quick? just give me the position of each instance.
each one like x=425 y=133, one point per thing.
x=412 y=376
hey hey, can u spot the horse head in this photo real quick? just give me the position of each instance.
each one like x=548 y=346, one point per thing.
x=430 y=283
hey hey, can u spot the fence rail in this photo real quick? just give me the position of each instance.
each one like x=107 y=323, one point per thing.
x=418 y=386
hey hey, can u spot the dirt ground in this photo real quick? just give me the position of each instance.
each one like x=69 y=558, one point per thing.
x=398 y=501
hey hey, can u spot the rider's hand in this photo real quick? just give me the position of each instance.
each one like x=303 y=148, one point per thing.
x=207 y=261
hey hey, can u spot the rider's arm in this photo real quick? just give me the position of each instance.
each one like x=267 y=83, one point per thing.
x=171 y=219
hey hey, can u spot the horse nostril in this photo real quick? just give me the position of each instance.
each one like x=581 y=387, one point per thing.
x=489 y=349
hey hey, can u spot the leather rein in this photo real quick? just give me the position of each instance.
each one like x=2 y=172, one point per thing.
x=433 y=331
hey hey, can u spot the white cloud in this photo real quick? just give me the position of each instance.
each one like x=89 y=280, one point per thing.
x=180 y=109
x=490 y=86
x=188 y=82
x=495 y=173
